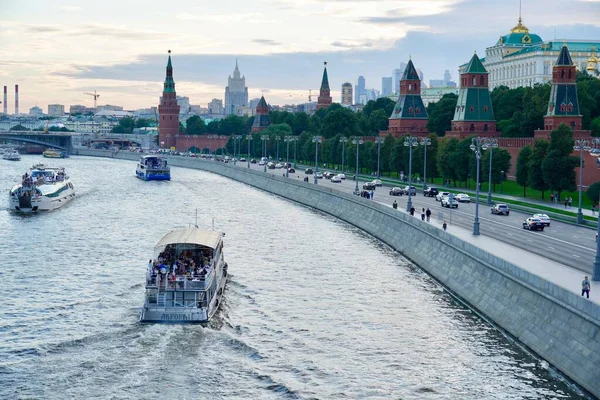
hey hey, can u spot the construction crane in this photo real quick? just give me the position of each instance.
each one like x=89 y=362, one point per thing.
x=95 y=97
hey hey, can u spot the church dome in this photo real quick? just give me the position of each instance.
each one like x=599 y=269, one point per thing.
x=592 y=62
x=519 y=35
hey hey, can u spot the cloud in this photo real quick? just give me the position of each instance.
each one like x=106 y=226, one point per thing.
x=43 y=29
x=254 y=18
x=267 y=42
x=351 y=45
x=70 y=8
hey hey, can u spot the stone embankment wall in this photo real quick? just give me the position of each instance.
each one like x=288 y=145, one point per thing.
x=557 y=324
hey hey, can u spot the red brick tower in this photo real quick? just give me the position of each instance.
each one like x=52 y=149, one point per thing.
x=168 y=112
x=261 y=119
x=324 y=100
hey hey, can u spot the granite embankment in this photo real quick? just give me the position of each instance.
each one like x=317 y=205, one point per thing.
x=560 y=326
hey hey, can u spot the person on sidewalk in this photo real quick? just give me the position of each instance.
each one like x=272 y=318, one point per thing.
x=551 y=197
x=395 y=205
x=423 y=214
x=445 y=226
x=593 y=209
x=566 y=202
x=428 y=214
x=585 y=287
x=570 y=201
x=412 y=211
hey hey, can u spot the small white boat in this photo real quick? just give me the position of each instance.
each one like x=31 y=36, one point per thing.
x=153 y=168
x=43 y=189
x=11 y=155
x=186 y=279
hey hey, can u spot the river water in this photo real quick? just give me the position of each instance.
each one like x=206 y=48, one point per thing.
x=314 y=308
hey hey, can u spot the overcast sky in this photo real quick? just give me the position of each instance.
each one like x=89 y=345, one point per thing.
x=57 y=50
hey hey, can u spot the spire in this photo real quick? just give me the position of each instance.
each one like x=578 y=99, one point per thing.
x=169 y=86
x=475 y=66
x=325 y=80
x=262 y=102
x=564 y=58
x=236 y=64
x=169 y=66
x=520 y=28
x=410 y=73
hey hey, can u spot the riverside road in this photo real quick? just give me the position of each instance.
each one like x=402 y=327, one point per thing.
x=565 y=243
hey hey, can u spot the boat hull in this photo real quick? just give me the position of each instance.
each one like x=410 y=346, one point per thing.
x=149 y=176
x=28 y=205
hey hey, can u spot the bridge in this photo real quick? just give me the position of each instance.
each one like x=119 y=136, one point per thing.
x=55 y=140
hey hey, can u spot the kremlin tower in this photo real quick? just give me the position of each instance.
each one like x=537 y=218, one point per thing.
x=473 y=114
x=261 y=119
x=324 y=99
x=168 y=112
x=409 y=115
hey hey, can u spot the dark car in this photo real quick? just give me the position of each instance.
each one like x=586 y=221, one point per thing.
x=412 y=191
x=430 y=192
x=291 y=170
x=369 y=186
x=253 y=161
x=396 y=191
x=500 y=209
x=533 y=224
x=308 y=171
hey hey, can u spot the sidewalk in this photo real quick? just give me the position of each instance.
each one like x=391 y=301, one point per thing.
x=557 y=273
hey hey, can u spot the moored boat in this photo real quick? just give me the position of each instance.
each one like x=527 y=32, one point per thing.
x=50 y=153
x=11 y=155
x=186 y=279
x=43 y=189
x=153 y=168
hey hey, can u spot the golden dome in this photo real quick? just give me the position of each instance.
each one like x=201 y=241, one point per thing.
x=520 y=28
x=592 y=61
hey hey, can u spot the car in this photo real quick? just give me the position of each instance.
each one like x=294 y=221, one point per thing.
x=328 y=175
x=412 y=191
x=319 y=175
x=336 y=179
x=396 y=191
x=291 y=170
x=501 y=209
x=342 y=176
x=253 y=161
x=542 y=217
x=463 y=198
x=430 y=192
x=533 y=224
x=278 y=166
x=377 y=182
x=438 y=197
x=308 y=171
x=270 y=165
x=242 y=159
x=449 y=201
x=262 y=162
x=369 y=186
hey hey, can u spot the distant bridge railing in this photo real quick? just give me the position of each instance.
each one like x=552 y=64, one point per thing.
x=56 y=140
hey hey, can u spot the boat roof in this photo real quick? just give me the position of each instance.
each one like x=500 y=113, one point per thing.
x=191 y=236
x=152 y=156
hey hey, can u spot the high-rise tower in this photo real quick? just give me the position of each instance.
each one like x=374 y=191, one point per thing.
x=347 y=94
x=168 y=112
x=409 y=115
x=473 y=114
x=236 y=92
x=324 y=99
x=261 y=119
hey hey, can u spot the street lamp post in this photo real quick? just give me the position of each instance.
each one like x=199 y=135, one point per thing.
x=248 y=139
x=316 y=140
x=357 y=141
x=378 y=140
x=287 y=140
x=581 y=145
x=235 y=140
x=425 y=142
x=595 y=146
x=295 y=140
x=277 y=139
x=489 y=143
x=477 y=144
x=264 y=139
x=343 y=141
x=410 y=142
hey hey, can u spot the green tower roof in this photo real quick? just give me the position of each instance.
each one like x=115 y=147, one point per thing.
x=410 y=73
x=564 y=58
x=325 y=80
x=169 y=86
x=475 y=66
x=262 y=102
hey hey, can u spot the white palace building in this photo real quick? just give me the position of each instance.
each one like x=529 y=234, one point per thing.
x=521 y=58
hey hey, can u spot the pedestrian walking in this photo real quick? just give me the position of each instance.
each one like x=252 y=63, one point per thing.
x=570 y=201
x=551 y=197
x=423 y=214
x=428 y=214
x=371 y=194
x=593 y=209
x=412 y=211
x=585 y=287
x=566 y=202
x=395 y=205
x=445 y=226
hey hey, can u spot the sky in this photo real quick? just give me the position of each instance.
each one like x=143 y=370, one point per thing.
x=58 y=50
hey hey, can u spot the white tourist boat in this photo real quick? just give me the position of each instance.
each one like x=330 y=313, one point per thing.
x=186 y=279
x=153 y=168
x=42 y=189
x=11 y=155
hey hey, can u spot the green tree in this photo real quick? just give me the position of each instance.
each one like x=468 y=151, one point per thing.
x=340 y=120
x=18 y=127
x=522 y=173
x=500 y=163
x=397 y=163
x=559 y=165
x=126 y=125
x=233 y=125
x=593 y=192
x=444 y=163
x=461 y=161
x=142 y=123
x=383 y=103
x=441 y=114
x=195 y=126
x=535 y=177
x=378 y=121
x=595 y=127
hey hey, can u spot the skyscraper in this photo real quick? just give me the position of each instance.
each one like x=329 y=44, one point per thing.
x=386 y=85
x=347 y=94
x=236 y=92
x=396 y=77
x=168 y=111
x=360 y=90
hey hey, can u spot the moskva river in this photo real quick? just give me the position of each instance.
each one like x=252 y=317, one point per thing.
x=314 y=308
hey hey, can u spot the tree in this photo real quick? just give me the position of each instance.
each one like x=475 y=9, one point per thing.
x=18 y=127
x=593 y=192
x=378 y=121
x=595 y=127
x=559 y=165
x=443 y=158
x=342 y=121
x=441 y=114
x=500 y=162
x=126 y=125
x=142 y=123
x=195 y=125
x=383 y=103
x=535 y=176
x=522 y=172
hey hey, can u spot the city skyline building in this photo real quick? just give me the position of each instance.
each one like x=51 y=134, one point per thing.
x=347 y=94
x=216 y=107
x=168 y=111
x=236 y=92
x=386 y=86
x=324 y=100
x=56 y=110
x=36 y=112
x=441 y=83
x=359 y=89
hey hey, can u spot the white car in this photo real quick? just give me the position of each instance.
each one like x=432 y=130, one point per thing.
x=449 y=201
x=336 y=179
x=342 y=176
x=262 y=162
x=462 y=198
x=439 y=196
x=543 y=217
x=377 y=182
x=319 y=175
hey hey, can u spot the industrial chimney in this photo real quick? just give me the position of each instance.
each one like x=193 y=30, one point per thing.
x=5 y=100
x=16 y=99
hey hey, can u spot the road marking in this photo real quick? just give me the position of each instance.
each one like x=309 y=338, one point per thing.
x=575 y=236
x=530 y=241
x=552 y=248
x=509 y=234
x=575 y=255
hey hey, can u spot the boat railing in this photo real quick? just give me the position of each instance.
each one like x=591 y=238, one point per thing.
x=180 y=283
